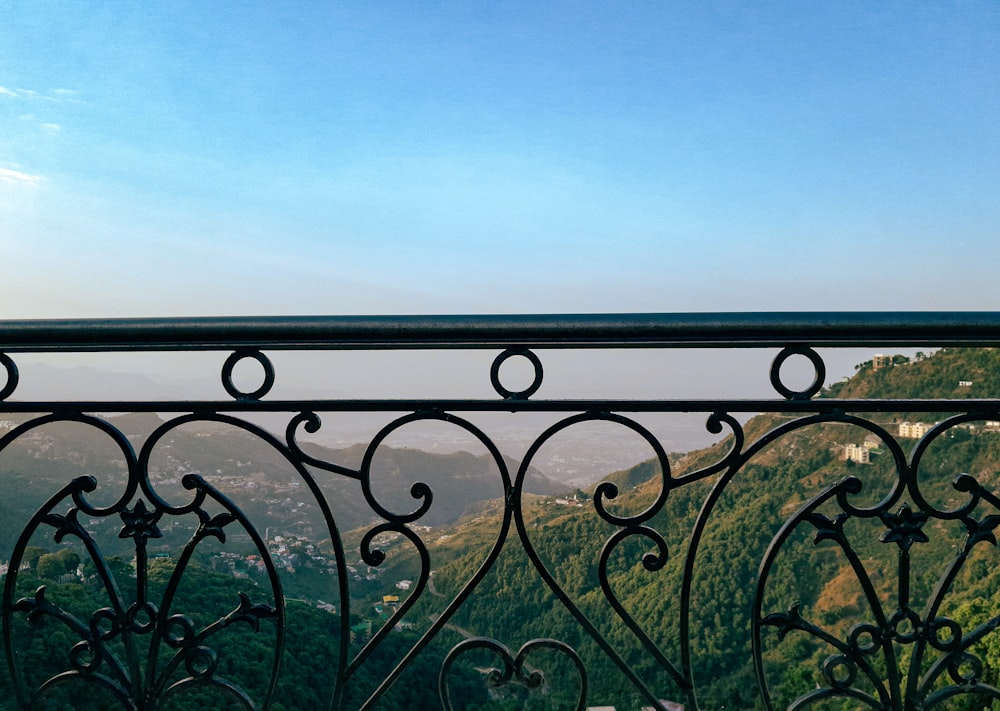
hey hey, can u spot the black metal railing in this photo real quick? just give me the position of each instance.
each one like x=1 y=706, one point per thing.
x=783 y=567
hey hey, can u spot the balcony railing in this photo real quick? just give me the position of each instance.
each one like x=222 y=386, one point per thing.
x=145 y=569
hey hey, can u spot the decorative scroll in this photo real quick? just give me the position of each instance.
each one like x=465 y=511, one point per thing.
x=900 y=654
x=516 y=669
x=138 y=648
x=898 y=648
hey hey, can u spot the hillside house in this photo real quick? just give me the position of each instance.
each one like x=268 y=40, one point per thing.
x=859 y=454
x=914 y=430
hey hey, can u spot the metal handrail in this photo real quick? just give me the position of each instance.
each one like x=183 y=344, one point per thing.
x=837 y=512
x=916 y=328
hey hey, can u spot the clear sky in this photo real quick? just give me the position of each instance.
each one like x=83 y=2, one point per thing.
x=200 y=158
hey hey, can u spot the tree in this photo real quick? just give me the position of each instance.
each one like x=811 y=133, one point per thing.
x=32 y=554
x=52 y=565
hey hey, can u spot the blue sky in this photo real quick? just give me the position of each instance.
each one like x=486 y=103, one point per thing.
x=348 y=158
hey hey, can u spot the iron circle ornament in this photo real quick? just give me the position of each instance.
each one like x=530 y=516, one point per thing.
x=83 y=658
x=965 y=668
x=865 y=639
x=201 y=662
x=906 y=626
x=946 y=635
x=819 y=370
x=230 y=364
x=11 y=382
x=839 y=671
x=536 y=381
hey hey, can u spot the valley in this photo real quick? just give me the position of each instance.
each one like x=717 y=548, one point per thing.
x=688 y=575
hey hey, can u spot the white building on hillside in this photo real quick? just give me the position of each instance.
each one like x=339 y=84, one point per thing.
x=856 y=453
x=914 y=430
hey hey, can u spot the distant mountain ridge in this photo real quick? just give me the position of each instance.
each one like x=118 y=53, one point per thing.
x=37 y=464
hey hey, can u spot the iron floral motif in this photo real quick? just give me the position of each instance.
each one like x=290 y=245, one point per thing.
x=119 y=646
x=909 y=659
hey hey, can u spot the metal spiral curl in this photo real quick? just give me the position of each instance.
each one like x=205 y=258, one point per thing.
x=419 y=490
x=630 y=525
x=652 y=562
x=185 y=634
x=311 y=423
x=83 y=658
x=964 y=483
x=80 y=486
x=375 y=557
x=715 y=424
x=399 y=524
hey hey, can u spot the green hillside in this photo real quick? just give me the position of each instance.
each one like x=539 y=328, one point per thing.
x=244 y=467
x=513 y=604
x=831 y=574
x=939 y=375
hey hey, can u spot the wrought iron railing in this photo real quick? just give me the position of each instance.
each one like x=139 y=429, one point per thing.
x=883 y=632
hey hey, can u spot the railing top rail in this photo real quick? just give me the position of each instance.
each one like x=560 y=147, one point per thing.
x=632 y=330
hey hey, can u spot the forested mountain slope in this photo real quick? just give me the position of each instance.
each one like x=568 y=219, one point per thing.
x=514 y=604
x=819 y=541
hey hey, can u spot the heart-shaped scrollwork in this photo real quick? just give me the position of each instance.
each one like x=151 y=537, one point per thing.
x=514 y=670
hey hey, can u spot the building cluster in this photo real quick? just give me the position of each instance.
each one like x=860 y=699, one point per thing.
x=290 y=550
x=240 y=565
x=370 y=573
x=915 y=430
x=861 y=453
x=383 y=610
